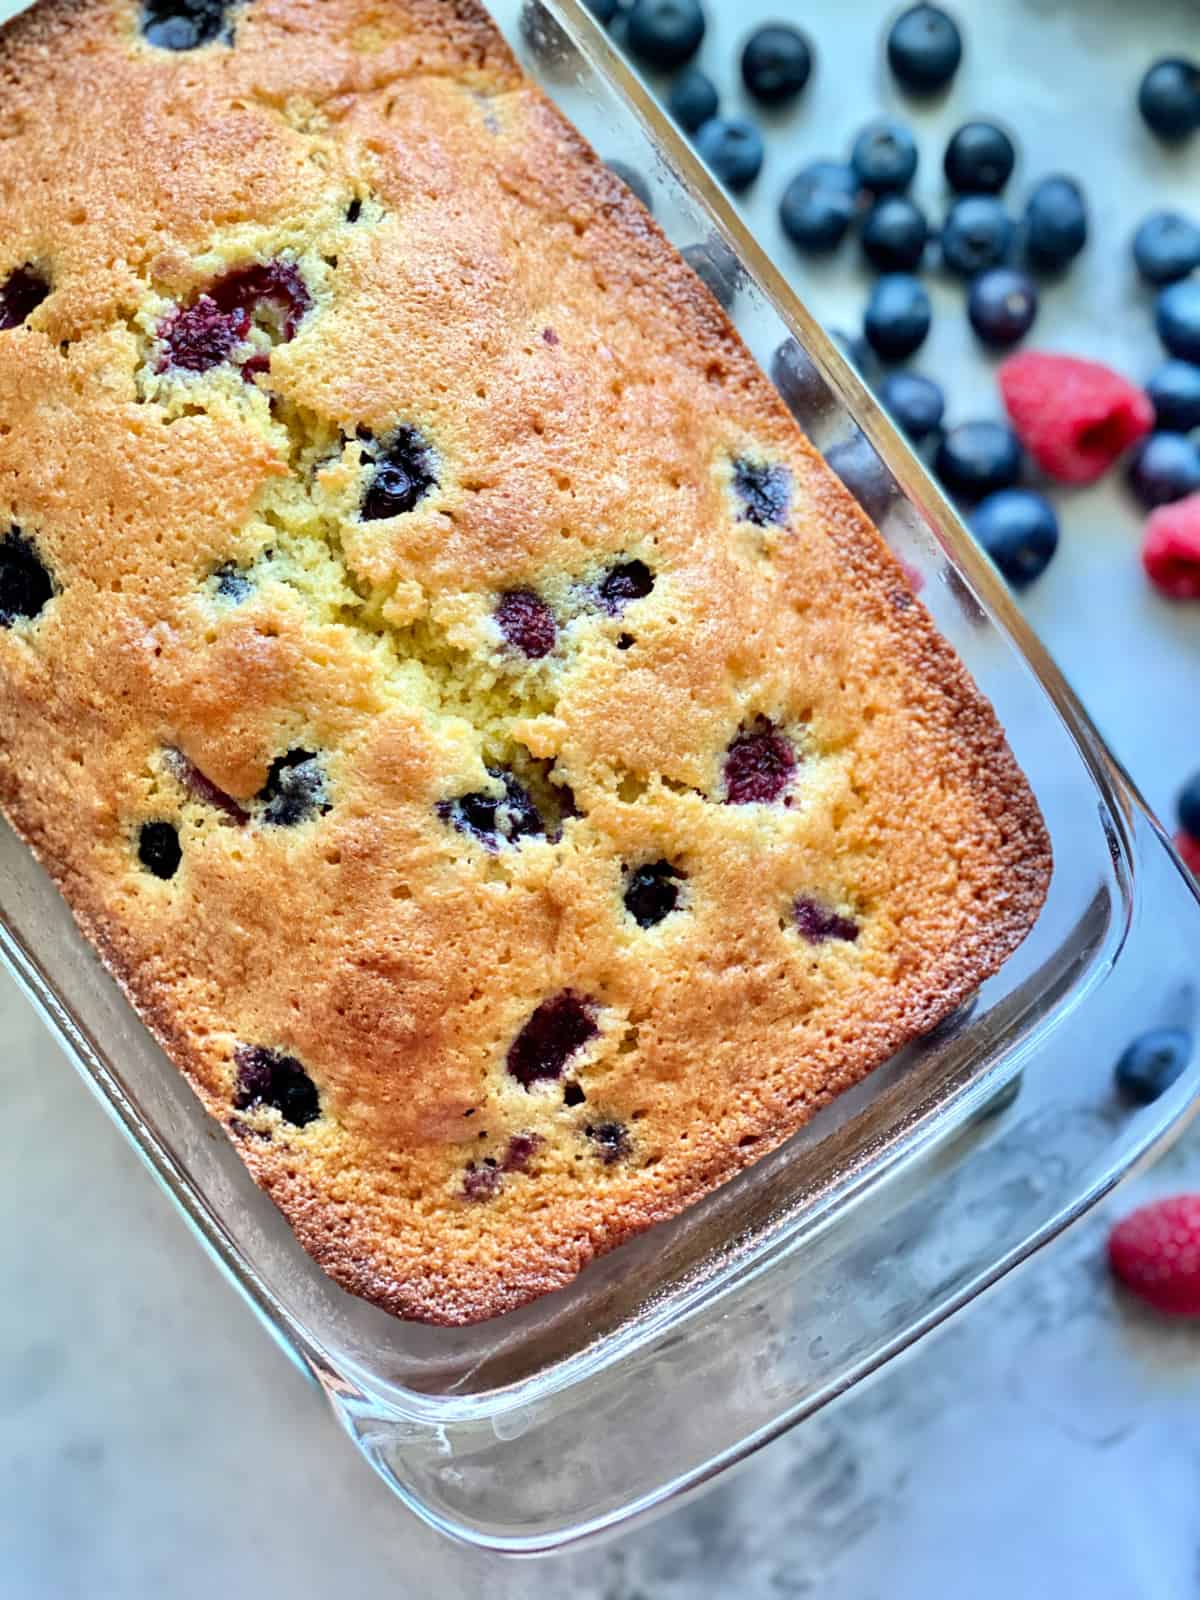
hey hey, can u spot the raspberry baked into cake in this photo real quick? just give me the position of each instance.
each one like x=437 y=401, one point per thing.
x=500 y=762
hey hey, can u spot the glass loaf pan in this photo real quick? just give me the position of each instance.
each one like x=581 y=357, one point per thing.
x=681 y=1352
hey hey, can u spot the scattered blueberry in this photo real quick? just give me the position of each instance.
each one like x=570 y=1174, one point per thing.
x=1169 y=98
x=629 y=580
x=494 y=819
x=898 y=316
x=652 y=893
x=482 y=1180
x=402 y=475
x=182 y=24
x=527 y=623
x=894 y=232
x=1177 y=318
x=759 y=766
x=1002 y=305
x=733 y=148
x=856 y=462
x=21 y=292
x=979 y=159
x=776 y=63
x=521 y=1149
x=294 y=790
x=232 y=583
x=1174 y=390
x=557 y=1029
x=1056 y=223
x=804 y=390
x=1165 y=467
x=693 y=99
x=270 y=1078
x=764 y=490
x=884 y=156
x=158 y=848
x=573 y=1095
x=665 y=33
x=818 y=204
x=1149 y=1066
x=611 y=1140
x=1188 y=807
x=924 y=48
x=717 y=267
x=1166 y=247
x=1019 y=530
x=603 y=10
x=817 y=923
x=25 y=584
x=633 y=179
x=976 y=235
x=976 y=459
x=916 y=403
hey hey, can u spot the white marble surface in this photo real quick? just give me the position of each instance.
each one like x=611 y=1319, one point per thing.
x=154 y=1442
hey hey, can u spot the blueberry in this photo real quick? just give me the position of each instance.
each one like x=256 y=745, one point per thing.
x=884 y=156
x=718 y=269
x=1177 y=318
x=1174 y=390
x=182 y=24
x=25 y=584
x=665 y=33
x=978 y=458
x=603 y=10
x=759 y=766
x=632 y=179
x=858 y=353
x=270 y=1078
x=693 y=99
x=21 y=292
x=804 y=390
x=158 y=848
x=818 y=204
x=627 y=581
x=557 y=1029
x=1169 y=98
x=976 y=235
x=1056 y=222
x=482 y=1182
x=1188 y=807
x=817 y=923
x=1166 y=247
x=294 y=790
x=494 y=819
x=1019 y=530
x=917 y=404
x=979 y=159
x=924 y=48
x=856 y=462
x=764 y=492
x=232 y=583
x=898 y=316
x=1002 y=305
x=402 y=475
x=894 y=232
x=652 y=893
x=1152 y=1063
x=611 y=1140
x=527 y=623
x=1165 y=467
x=733 y=148
x=776 y=63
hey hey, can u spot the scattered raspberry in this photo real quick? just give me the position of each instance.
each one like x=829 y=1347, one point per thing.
x=1156 y=1254
x=1074 y=417
x=1189 y=852
x=1171 y=549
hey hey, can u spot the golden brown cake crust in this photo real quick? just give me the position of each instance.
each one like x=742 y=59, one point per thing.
x=306 y=693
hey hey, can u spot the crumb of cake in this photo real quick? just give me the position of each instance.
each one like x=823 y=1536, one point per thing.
x=628 y=580
x=527 y=623
x=158 y=848
x=26 y=586
x=817 y=923
x=764 y=491
x=759 y=766
x=652 y=893
x=270 y=1078
x=294 y=790
x=558 y=1028
x=401 y=473
x=21 y=293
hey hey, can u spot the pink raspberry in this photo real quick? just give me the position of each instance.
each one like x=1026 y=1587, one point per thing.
x=1171 y=549
x=1189 y=852
x=1074 y=417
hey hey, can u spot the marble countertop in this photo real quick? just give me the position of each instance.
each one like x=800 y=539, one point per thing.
x=155 y=1442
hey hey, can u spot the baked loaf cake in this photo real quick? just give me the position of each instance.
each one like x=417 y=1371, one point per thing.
x=501 y=763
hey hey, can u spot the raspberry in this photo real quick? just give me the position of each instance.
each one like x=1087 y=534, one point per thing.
x=1074 y=417
x=1189 y=852
x=1171 y=549
x=1156 y=1254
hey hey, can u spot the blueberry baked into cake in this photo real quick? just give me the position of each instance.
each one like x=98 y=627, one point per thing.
x=500 y=762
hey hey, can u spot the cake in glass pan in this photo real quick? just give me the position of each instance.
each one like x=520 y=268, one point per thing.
x=500 y=762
